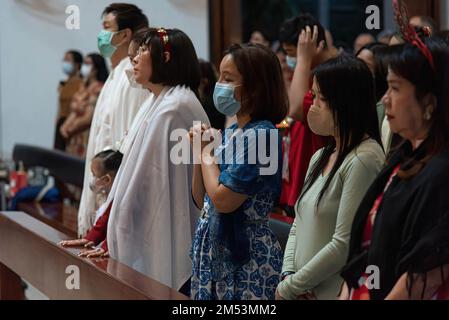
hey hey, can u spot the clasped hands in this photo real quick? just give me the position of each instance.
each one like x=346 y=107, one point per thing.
x=204 y=140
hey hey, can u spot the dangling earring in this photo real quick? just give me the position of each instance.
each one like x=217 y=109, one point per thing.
x=427 y=116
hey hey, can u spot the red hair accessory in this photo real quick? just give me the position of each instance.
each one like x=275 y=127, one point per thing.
x=408 y=31
x=165 y=40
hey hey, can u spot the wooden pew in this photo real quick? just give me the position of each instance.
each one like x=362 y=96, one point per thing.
x=29 y=249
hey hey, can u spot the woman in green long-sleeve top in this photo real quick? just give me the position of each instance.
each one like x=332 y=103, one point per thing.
x=339 y=176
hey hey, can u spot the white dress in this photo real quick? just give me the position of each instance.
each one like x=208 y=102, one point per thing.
x=116 y=108
x=153 y=215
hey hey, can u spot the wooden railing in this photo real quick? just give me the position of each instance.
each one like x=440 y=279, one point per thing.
x=29 y=249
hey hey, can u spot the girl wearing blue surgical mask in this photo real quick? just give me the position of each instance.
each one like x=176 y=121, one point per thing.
x=71 y=67
x=235 y=255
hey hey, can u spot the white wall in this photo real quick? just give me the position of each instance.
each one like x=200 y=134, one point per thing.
x=33 y=39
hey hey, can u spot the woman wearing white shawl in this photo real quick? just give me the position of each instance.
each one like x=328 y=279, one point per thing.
x=153 y=215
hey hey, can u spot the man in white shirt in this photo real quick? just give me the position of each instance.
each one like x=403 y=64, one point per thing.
x=119 y=102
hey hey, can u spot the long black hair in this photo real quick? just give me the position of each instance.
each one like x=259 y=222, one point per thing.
x=348 y=86
x=407 y=61
x=99 y=65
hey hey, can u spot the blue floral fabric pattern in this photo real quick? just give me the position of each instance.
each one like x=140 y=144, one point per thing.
x=255 y=273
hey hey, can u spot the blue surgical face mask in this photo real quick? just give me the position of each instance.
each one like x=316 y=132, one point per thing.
x=224 y=99
x=104 y=43
x=68 y=68
x=291 y=62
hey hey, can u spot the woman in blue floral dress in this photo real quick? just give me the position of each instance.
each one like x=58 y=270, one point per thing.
x=235 y=255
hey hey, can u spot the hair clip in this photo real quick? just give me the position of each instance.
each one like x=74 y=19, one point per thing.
x=408 y=31
x=165 y=40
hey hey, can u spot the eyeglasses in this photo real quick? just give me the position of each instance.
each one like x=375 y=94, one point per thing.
x=141 y=50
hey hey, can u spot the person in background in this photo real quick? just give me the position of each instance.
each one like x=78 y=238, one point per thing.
x=260 y=37
x=104 y=167
x=401 y=225
x=385 y=36
x=344 y=108
x=362 y=40
x=375 y=56
x=206 y=91
x=287 y=72
x=396 y=39
x=303 y=39
x=118 y=102
x=235 y=255
x=426 y=23
x=76 y=128
x=334 y=51
x=71 y=67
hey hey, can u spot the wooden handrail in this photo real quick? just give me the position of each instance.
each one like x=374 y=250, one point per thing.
x=29 y=249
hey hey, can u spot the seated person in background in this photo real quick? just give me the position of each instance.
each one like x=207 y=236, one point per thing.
x=104 y=168
x=76 y=128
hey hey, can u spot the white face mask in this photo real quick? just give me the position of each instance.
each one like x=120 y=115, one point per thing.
x=93 y=185
x=321 y=121
x=86 y=69
x=132 y=79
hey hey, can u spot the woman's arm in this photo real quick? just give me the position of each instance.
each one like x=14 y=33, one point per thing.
x=83 y=122
x=344 y=294
x=430 y=285
x=307 y=50
x=224 y=199
x=290 y=251
x=288 y=264
x=198 y=190
x=66 y=126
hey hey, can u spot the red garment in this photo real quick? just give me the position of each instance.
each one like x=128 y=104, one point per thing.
x=98 y=233
x=362 y=293
x=303 y=145
x=443 y=292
